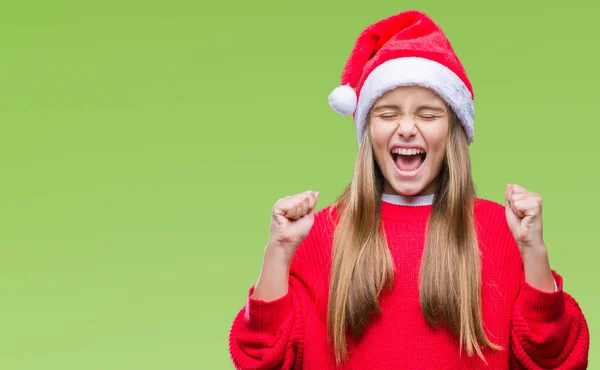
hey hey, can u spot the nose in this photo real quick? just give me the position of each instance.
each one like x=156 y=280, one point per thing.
x=407 y=128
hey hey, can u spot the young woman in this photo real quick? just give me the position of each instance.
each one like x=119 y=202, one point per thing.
x=408 y=269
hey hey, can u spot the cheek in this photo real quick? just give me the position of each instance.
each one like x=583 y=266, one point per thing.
x=436 y=140
x=440 y=145
x=381 y=132
x=380 y=135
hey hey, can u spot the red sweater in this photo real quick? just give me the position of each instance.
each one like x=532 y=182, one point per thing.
x=536 y=329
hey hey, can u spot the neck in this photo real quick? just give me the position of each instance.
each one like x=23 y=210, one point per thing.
x=417 y=200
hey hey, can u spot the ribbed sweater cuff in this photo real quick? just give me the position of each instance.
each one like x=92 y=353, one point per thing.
x=267 y=315
x=541 y=307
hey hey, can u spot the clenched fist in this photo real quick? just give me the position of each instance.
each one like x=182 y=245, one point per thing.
x=291 y=221
x=524 y=216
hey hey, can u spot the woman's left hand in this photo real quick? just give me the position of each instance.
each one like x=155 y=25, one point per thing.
x=524 y=216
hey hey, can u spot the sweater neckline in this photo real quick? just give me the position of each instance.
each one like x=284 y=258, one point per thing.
x=403 y=208
x=414 y=201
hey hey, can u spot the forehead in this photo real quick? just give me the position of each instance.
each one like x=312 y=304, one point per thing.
x=410 y=95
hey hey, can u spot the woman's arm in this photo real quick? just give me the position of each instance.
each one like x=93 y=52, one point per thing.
x=548 y=330
x=268 y=332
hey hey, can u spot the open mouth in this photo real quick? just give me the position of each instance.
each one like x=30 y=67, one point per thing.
x=408 y=161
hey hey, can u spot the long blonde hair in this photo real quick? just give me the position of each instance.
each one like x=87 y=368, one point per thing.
x=362 y=266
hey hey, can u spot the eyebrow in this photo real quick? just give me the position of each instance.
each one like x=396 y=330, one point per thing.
x=435 y=108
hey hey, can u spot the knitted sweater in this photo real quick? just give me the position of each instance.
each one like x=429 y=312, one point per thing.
x=536 y=329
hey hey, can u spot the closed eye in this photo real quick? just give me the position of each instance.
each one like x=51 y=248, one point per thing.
x=425 y=117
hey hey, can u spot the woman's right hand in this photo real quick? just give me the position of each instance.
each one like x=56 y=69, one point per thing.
x=291 y=221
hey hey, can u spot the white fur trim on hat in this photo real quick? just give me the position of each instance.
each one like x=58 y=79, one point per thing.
x=420 y=72
x=343 y=100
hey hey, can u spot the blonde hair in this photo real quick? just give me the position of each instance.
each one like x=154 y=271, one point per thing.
x=362 y=266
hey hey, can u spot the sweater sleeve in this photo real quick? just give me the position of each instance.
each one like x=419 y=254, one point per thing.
x=549 y=330
x=271 y=334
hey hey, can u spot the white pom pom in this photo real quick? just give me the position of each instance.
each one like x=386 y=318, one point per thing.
x=343 y=100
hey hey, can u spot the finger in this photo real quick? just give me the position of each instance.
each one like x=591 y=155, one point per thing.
x=519 y=196
x=511 y=202
x=527 y=207
x=283 y=206
x=517 y=211
x=507 y=196
x=310 y=202
x=307 y=199
x=518 y=189
x=296 y=211
x=293 y=213
x=288 y=202
x=295 y=206
x=313 y=201
x=533 y=207
x=299 y=207
x=305 y=204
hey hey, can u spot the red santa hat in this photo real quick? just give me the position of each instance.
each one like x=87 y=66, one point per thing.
x=404 y=49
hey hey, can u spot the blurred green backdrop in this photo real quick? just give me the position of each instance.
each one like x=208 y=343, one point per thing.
x=143 y=144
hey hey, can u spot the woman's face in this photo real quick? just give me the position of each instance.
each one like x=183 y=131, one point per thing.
x=409 y=126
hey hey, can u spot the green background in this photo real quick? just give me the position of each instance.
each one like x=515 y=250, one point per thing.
x=143 y=144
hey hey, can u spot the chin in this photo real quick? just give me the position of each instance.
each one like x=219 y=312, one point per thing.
x=408 y=191
x=421 y=183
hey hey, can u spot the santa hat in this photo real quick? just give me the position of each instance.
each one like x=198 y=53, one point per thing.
x=404 y=49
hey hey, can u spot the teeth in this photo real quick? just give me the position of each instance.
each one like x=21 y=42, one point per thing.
x=407 y=151
x=410 y=173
